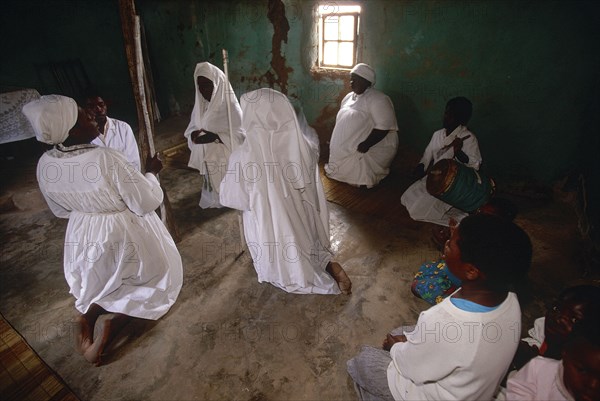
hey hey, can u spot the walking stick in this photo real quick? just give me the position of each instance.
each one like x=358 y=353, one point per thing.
x=165 y=206
x=231 y=143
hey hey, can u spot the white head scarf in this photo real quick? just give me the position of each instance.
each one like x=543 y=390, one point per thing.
x=52 y=117
x=212 y=115
x=365 y=71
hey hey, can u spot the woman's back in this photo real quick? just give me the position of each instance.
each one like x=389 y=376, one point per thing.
x=90 y=179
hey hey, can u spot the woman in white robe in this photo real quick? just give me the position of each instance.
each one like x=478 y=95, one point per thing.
x=273 y=178
x=208 y=133
x=454 y=141
x=118 y=255
x=365 y=137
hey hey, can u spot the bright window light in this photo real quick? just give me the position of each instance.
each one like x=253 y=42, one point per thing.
x=338 y=34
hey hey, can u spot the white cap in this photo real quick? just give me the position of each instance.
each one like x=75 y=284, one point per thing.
x=52 y=117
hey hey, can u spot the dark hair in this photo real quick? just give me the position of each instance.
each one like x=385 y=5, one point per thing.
x=586 y=294
x=89 y=93
x=497 y=247
x=588 y=330
x=461 y=108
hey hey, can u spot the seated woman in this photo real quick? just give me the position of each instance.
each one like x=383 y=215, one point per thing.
x=273 y=179
x=365 y=137
x=208 y=133
x=453 y=141
x=119 y=258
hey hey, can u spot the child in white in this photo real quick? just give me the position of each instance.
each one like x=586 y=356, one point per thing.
x=575 y=377
x=446 y=357
x=539 y=379
x=461 y=348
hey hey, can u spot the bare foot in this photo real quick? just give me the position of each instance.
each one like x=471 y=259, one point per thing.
x=93 y=353
x=340 y=276
x=107 y=333
x=84 y=333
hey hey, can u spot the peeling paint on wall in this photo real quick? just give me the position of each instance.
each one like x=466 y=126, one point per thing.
x=280 y=72
x=325 y=121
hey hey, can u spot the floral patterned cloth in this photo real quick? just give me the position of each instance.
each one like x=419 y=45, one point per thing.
x=434 y=281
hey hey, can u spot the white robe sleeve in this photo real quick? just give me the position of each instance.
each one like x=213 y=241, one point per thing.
x=382 y=112
x=141 y=193
x=55 y=208
x=523 y=384
x=422 y=362
x=234 y=188
x=471 y=149
x=428 y=153
x=196 y=150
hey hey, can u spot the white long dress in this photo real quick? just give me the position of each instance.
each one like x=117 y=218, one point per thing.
x=420 y=204
x=358 y=116
x=210 y=159
x=118 y=254
x=273 y=178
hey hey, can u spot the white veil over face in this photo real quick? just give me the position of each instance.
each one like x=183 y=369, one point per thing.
x=271 y=121
x=274 y=179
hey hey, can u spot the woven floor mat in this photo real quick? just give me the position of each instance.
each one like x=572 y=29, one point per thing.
x=382 y=201
x=23 y=374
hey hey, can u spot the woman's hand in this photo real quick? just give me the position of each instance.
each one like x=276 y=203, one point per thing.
x=154 y=164
x=363 y=147
x=208 y=137
x=373 y=139
x=391 y=340
x=457 y=143
x=196 y=134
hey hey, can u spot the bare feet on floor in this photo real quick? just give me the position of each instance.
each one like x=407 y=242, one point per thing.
x=340 y=276
x=84 y=334
x=108 y=330
x=94 y=353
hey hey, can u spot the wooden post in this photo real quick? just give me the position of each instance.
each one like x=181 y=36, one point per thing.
x=232 y=142
x=132 y=40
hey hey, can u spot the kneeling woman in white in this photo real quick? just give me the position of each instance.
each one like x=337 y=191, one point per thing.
x=119 y=257
x=273 y=178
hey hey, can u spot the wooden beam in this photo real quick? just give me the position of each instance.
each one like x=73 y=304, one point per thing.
x=133 y=51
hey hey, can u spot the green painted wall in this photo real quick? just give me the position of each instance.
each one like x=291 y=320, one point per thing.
x=44 y=31
x=529 y=67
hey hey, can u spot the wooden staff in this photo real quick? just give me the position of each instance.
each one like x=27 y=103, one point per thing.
x=130 y=24
x=231 y=142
